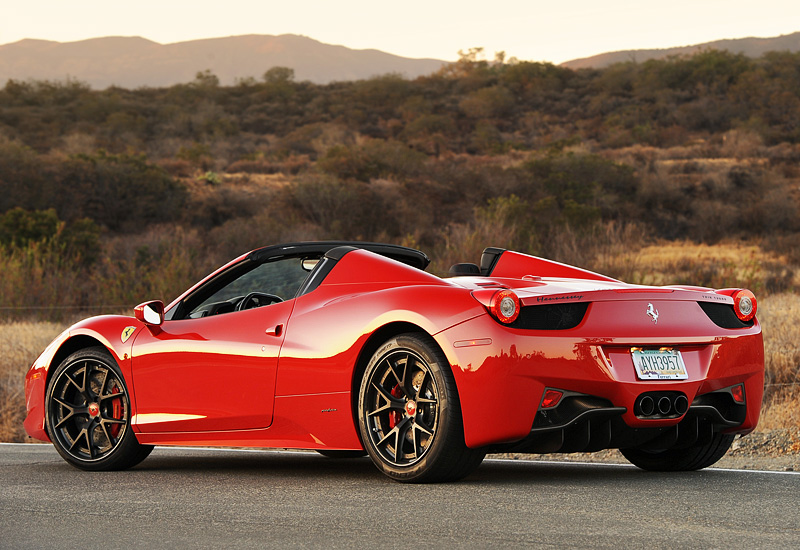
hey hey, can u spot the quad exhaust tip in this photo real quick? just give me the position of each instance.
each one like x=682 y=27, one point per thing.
x=646 y=406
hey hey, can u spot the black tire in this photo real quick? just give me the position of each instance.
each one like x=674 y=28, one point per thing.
x=89 y=412
x=409 y=414
x=697 y=457
x=335 y=453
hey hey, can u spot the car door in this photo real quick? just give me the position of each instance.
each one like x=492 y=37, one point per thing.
x=214 y=367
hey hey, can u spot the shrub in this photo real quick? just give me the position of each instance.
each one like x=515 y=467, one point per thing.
x=118 y=191
x=343 y=209
x=374 y=159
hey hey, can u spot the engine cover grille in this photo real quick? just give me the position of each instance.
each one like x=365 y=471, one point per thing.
x=723 y=315
x=551 y=316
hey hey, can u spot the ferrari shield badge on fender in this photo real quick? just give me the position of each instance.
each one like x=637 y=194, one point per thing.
x=126 y=333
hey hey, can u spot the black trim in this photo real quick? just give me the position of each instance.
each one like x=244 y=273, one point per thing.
x=551 y=316
x=339 y=252
x=464 y=270
x=721 y=407
x=589 y=423
x=573 y=409
x=403 y=254
x=712 y=414
x=489 y=259
x=324 y=267
x=317 y=276
x=723 y=315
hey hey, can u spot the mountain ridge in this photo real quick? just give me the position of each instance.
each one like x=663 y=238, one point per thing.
x=750 y=46
x=133 y=61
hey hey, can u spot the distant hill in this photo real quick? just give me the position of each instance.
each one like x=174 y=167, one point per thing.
x=751 y=47
x=133 y=62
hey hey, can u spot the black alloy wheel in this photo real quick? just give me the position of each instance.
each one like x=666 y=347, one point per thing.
x=88 y=413
x=409 y=413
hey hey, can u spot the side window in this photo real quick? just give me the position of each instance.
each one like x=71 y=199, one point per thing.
x=268 y=283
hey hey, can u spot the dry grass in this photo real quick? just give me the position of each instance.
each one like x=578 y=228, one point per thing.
x=20 y=343
x=779 y=314
x=733 y=265
x=780 y=412
x=719 y=266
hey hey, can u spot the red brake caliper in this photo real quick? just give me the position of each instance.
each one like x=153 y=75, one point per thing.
x=116 y=411
x=396 y=416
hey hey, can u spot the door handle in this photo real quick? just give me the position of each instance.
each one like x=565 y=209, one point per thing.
x=275 y=331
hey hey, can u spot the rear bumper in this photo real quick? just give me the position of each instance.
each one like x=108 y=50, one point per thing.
x=502 y=373
x=585 y=423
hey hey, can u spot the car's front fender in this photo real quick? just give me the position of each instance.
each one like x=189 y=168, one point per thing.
x=115 y=333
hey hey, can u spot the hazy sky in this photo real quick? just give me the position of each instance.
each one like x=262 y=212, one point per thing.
x=533 y=30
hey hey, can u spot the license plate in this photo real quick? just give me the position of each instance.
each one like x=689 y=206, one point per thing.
x=659 y=364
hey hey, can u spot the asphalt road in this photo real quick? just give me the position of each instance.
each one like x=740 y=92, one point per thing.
x=200 y=498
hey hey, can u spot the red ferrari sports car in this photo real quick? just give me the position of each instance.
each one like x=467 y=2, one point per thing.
x=351 y=348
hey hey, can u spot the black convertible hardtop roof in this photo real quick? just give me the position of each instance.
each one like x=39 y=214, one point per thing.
x=404 y=254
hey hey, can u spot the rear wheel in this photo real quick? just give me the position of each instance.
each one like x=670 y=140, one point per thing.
x=696 y=457
x=88 y=413
x=409 y=413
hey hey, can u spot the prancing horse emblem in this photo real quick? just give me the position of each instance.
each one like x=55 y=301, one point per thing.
x=652 y=312
x=126 y=333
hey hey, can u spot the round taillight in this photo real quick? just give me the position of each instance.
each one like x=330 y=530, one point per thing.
x=505 y=306
x=744 y=304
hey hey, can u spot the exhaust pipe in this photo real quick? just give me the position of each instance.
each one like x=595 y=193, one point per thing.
x=646 y=405
x=661 y=404
x=681 y=404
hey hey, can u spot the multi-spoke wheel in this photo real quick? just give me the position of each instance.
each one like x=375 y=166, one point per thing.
x=409 y=414
x=88 y=413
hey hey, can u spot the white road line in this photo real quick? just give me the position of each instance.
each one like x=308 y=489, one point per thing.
x=618 y=465
x=48 y=447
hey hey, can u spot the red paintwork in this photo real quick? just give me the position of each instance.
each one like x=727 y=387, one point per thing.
x=285 y=375
x=183 y=366
x=105 y=331
x=514 y=264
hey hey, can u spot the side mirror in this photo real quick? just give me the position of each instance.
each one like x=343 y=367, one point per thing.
x=150 y=313
x=309 y=263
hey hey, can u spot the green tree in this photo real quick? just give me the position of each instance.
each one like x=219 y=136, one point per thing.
x=206 y=80
x=20 y=227
x=121 y=192
x=279 y=74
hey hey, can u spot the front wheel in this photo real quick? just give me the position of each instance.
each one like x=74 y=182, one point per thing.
x=409 y=414
x=89 y=412
x=696 y=457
